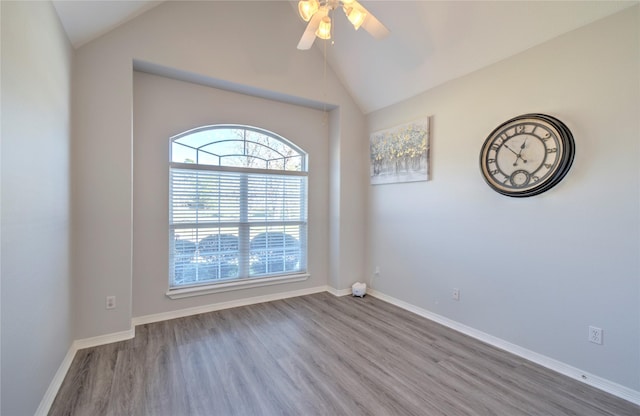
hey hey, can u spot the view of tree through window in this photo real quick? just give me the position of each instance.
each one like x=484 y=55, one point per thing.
x=238 y=205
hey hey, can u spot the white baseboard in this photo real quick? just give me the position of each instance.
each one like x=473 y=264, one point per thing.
x=575 y=373
x=338 y=292
x=54 y=386
x=56 y=383
x=165 y=316
x=58 y=378
x=80 y=344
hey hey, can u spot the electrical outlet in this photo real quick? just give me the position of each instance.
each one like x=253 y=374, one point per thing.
x=377 y=270
x=110 y=302
x=456 y=294
x=595 y=335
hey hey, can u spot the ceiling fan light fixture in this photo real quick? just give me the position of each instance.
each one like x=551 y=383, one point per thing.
x=307 y=8
x=355 y=16
x=318 y=13
x=324 y=30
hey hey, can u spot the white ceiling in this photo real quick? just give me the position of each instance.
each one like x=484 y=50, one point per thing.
x=86 y=20
x=431 y=42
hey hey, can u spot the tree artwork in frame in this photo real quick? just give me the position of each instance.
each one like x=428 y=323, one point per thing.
x=400 y=154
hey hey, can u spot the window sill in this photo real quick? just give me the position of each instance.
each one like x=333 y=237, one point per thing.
x=235 y=285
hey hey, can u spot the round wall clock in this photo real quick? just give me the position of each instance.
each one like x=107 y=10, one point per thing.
x=527 y=155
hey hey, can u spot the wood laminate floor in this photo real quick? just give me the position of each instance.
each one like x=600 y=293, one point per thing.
x=316 y=355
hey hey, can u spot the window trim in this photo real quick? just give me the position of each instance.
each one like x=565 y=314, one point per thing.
x=177 y=165
x=237 y=284
x=304 y=160
x=190 y=290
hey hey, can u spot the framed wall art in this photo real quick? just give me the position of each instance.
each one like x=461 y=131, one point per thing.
x=400 y=154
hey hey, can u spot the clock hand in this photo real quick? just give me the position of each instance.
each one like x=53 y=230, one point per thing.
x=521 y=149
x=511 y=150
x=517 y=155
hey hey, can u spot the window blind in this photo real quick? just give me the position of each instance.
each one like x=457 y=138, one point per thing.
x=235 y=224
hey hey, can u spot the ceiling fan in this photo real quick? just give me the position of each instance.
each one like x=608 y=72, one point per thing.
x=318 y=14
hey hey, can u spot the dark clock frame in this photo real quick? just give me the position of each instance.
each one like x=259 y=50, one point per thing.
x=565 y=140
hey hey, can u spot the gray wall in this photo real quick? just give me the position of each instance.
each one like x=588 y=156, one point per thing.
x=427 y=237
x=221 y=42
x=36 y=285
x=165 y=107
x=533 y=271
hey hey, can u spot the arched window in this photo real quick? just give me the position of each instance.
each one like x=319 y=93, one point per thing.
x=238 y=207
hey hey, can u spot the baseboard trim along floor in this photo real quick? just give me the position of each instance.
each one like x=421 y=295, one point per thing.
x=555 y=365
x=181 y=313
x=58 y=378
x=560 y=367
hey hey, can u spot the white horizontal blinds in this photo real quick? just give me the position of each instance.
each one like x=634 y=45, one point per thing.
x=200 y=196
x=203 y=254
x=228 y=225
x=277 y=220
x=204 y=226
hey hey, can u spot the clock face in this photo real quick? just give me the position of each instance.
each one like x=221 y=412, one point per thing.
x=527 y=155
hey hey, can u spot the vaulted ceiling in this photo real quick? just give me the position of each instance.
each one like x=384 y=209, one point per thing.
x=431 y=42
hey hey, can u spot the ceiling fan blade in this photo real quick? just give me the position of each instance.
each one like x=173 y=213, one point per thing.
x=372 y=25
x=309 y=35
